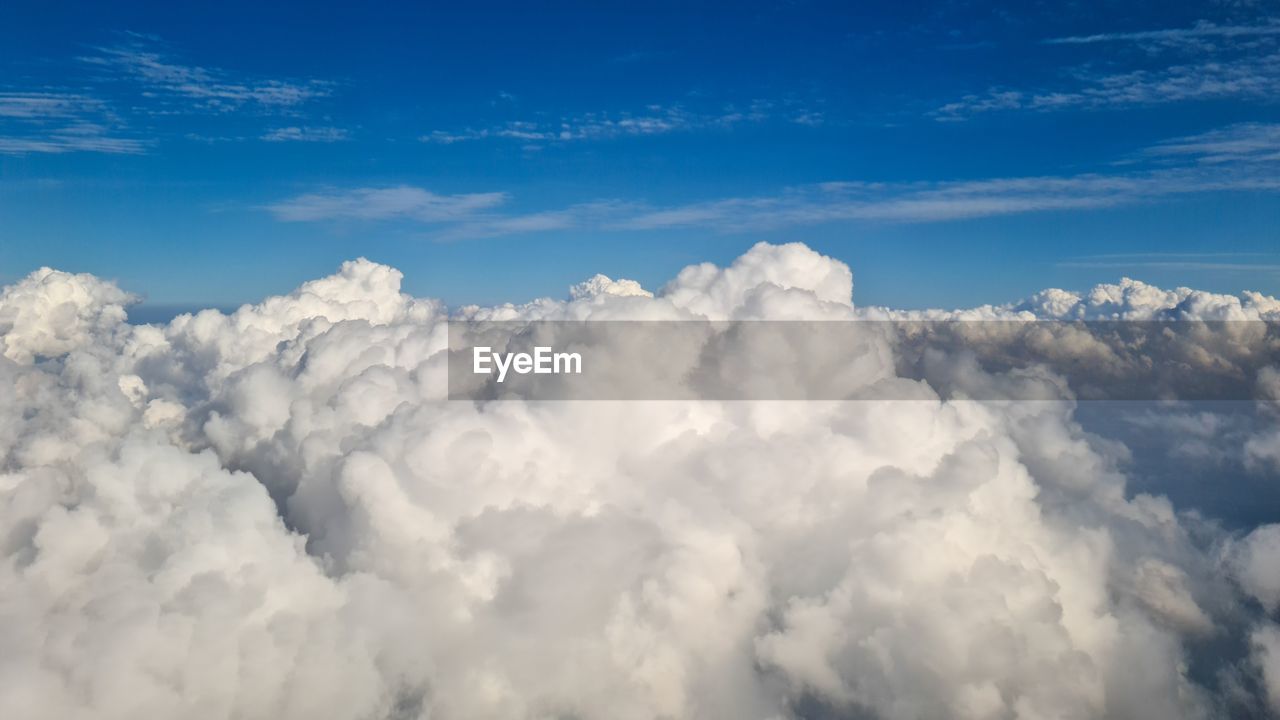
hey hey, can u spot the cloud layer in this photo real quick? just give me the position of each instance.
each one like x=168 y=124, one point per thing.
x=1171 y=65
x=1236 y=158
x=127 y=87
x=275 y=513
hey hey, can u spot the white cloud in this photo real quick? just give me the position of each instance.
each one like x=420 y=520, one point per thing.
x=1200 y=30
x=51 y=120
x=201 y=88
x=588 y=214
x=1257 y=561
x=306 y=134
x=45 y=105
x=1266 y=656
x=76 y=138
x=829 y=202
x=653 y=120
x=57 y=122
x=598 y=285
x=1244 y=142
x=384 y=203
x=910 y=202
x=1254 y=77
x=1203 y=62
x=1238 y=158
x=1254 y=262
x=276 y=512
x=52 y=312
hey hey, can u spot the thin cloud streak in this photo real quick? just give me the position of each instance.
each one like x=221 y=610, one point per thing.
x=306 y=134
x=50 y=122
x=1250 y=77
x=473 y=216
x=1173 y=35
x=655 y=120
x=48 y=105
x=1245 y=142
x=1237 y=158
x=1175 y=265
x=1205 y=62
x=400 y=202
x=73 y=139
x=940 y=202
x=597 y=214
x=196 y=88
x=1157 y=255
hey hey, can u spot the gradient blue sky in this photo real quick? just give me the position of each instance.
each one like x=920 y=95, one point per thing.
x=953 y=154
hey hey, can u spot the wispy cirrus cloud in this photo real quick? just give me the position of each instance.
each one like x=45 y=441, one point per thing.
x=52 y=122
x=1221 y=262
x=1244 y=142
x=653 y=120
x=894 y=202
x=48 y=105
x=1203 y=62
x=72 y=138
x=1178 y=265
x=180 y=87
x=1197 y=32
x=602 y=214
x=306 y=134
x=943 y=201
x=1183 y=169
x=134 y=83
x=1254 y=262
x=386 y=203
x=1251 y=77
x=1166 y=255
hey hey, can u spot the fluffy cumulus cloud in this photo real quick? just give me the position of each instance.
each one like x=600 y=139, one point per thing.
x=277 y=513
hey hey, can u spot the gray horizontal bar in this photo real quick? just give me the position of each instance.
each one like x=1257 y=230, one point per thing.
x=867 y=360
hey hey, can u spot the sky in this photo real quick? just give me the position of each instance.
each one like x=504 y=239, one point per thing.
x=952 y=154
x=278 y=512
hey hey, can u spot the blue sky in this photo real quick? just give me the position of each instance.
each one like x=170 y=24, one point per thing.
x=953 y=154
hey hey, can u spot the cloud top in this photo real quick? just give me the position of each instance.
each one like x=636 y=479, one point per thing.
x=274 y=512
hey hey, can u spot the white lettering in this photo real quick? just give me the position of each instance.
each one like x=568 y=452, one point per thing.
x=504 y=363
x=572 y=363
x=543 y=361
